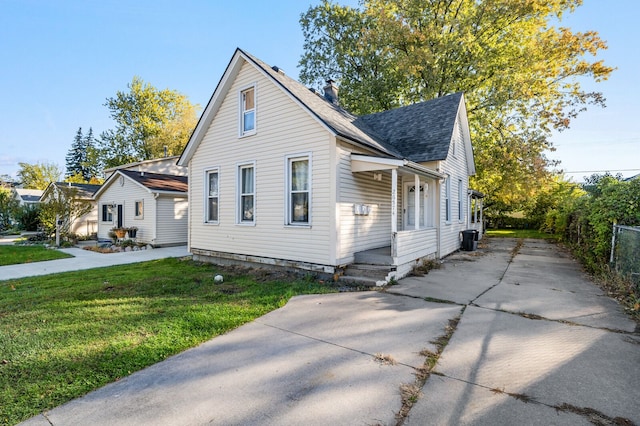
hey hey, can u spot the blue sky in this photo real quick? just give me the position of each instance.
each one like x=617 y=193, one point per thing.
x=62 y=59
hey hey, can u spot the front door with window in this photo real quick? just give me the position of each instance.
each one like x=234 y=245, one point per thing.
x=410 y=203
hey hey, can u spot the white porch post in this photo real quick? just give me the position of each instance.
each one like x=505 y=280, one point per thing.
x=416 y=207
x=394 y=201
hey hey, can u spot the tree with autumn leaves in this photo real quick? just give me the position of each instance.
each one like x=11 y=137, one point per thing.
x=519 y=68
x=148 y=122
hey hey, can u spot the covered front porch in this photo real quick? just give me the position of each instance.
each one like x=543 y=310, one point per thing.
x=414 y=196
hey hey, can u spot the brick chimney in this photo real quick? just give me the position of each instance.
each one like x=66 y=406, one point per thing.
x=331 y=92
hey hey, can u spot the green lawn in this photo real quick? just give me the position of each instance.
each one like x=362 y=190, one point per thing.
x=519 y=233
x=62 y=335
x=12 y=254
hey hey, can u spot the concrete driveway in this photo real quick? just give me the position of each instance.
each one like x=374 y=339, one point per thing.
x=537 y=343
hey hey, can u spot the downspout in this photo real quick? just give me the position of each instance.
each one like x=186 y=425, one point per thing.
x=155 y=225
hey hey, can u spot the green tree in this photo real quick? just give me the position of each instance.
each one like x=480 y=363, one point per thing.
x=28 y=216
x=75 y=155
x=81 y=159
x=8 y=206
x=520 y=74
x=147 y=121
x=39 y=175
x=63 y=204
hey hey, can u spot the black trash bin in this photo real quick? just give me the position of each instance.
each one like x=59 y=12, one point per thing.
x=469 y=240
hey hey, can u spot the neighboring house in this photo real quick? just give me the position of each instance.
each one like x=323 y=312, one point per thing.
x=156 y=204
x=280 y=175
x=165 y=166
x=629 y=179
x=27 y=196
x=88 y=223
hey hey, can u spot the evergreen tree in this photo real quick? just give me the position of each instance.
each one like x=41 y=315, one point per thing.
x=80 y=160
x=90 y=164
x=75 y=155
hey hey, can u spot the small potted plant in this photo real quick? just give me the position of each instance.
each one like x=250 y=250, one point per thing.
x=133 y=231
x=120 y=232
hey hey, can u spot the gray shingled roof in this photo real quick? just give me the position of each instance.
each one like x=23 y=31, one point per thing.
x=84 y=190
x=419 y=132
x=157 y=181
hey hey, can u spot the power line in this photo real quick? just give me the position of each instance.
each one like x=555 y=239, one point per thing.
x=604 y=171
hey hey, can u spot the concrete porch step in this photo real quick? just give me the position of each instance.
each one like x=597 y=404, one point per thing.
x=358 y=280
x=378 y=272
x=366 y=275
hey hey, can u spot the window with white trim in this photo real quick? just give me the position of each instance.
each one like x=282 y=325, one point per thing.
x=139 y=209
x=248 y=111
x=107 y=213
x=246 y=193
x=298 y=190
x=447 y=198
x=460 y=200
x=212 y=196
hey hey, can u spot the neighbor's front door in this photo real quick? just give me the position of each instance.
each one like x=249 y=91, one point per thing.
x=120 y=216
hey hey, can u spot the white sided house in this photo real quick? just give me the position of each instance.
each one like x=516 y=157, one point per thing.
x=156 y=204
x=279 y=175
x=87 y=224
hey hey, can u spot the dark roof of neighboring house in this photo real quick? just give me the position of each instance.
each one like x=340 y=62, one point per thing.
x=157 y=181
x=28 y=195
x=30 y=198
x=85 y=190
x=418 y=132
x=629 y=179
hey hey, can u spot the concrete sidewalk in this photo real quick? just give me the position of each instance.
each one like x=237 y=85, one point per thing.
x=85 y=259
x=537 y=343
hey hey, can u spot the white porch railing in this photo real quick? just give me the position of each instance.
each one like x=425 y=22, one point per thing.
x=414 y=244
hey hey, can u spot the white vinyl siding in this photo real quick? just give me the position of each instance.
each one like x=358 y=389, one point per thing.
x=87 y=223
x=172 y=215
x=361 y=232
x=456 y=169
x=285 y=128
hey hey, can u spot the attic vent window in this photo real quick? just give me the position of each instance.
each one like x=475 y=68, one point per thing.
x=248 y=111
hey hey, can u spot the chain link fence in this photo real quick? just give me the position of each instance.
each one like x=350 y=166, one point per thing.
x=625 y=253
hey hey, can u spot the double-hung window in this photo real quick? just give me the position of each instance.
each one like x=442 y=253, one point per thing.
x=212 y=196
x=298 y=190
x=107 y=213
x=248 y=111
x=246 y=194
x=139 y=209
